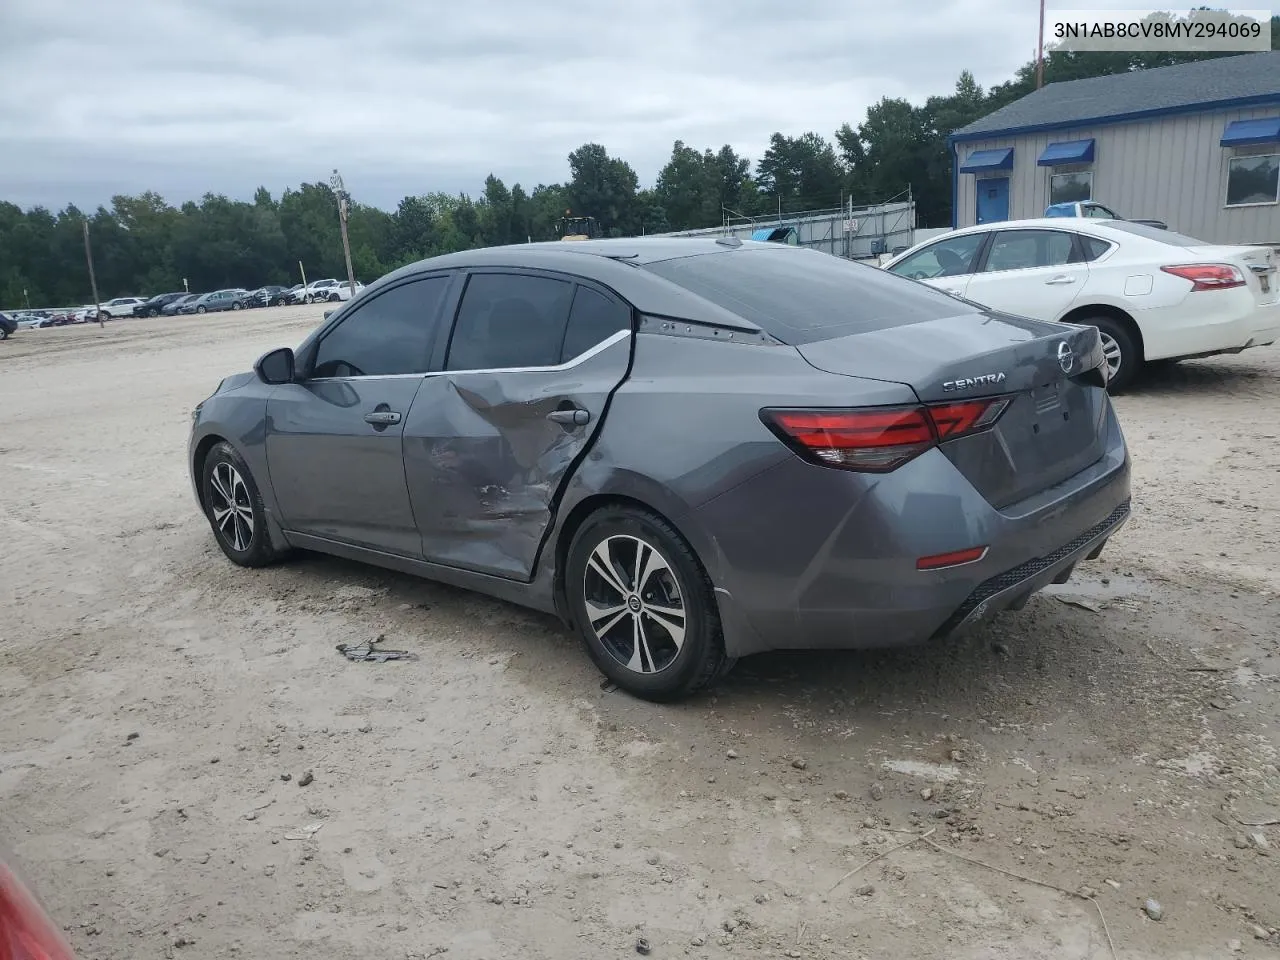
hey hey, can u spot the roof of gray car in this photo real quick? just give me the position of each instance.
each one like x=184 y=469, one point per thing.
x=1251 y=76
x=613 y=264
x=566 y=254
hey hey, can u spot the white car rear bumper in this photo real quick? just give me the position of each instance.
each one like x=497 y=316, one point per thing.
x=1209 y=322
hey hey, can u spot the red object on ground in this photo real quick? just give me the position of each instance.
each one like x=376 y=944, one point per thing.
x=26 y=932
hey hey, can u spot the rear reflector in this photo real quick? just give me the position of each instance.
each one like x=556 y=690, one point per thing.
x=878 y=439
x=954 y=559
x=1208 y=276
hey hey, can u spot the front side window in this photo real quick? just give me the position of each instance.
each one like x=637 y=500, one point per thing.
x=388 y=335
x=1070 y=187
x=951 y=257
x=1021 y=249
x=510 y=320
x=1253 y=180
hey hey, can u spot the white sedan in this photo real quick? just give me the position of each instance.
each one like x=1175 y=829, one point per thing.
x=1153 y=294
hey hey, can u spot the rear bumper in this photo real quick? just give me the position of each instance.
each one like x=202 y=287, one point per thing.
x=1012 y=588
x=812 y=558
x=1236 y=322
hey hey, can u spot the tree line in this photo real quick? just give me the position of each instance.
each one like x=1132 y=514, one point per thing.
x=144 y=245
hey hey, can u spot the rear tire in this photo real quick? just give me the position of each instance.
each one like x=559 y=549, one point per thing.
x=234 y=508
x=1123 y=356
x=236 y=305
x=660 y=638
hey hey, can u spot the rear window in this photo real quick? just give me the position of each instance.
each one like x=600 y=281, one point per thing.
x=1154 y=233
x=804 y=296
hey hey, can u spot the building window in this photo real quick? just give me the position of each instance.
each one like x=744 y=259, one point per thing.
x=1252 y=180
x=1070 y=187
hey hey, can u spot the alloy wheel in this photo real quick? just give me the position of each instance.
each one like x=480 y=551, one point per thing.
x=231 y=506
x=1112 y=353
x=634 y=604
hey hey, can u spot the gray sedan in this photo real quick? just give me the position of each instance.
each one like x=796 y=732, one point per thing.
x=690 y=450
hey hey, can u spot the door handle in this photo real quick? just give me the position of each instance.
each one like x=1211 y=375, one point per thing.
x=382 y=418
x=1061 y=278
x=575 y=416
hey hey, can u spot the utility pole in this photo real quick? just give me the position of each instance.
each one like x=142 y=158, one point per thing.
x=1040 y=50
x=340 y=189
x=93 y=281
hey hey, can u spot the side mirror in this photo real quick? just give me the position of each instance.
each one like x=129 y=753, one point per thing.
x=275 y=367
x=328 y=314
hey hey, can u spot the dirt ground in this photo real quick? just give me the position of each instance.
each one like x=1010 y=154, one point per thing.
x=490 y=800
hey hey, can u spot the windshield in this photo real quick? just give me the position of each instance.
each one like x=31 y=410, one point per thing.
x=804 y=296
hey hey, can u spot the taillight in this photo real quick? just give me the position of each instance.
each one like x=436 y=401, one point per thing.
x=878 y=439
x=1208 y=276
x=25 y=932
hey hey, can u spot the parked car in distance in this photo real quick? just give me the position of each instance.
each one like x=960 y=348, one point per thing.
x=121 y=306
x=326 y=290
x=263 y=296
x=284 y=296
x=175 y=306
x=1094 y=211
x=691 y=449
x=231 y=298
x=8 y=326
x=32 y=321
x=1154 y=295
x=318 y=290
x=155 y=305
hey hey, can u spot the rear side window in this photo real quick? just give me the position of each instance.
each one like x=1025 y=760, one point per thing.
x=593 y=318
x=1093 y=247
x=1024 y=249
x=802 y=296
x=510 y=320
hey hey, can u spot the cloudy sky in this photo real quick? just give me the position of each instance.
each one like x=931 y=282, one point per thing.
x=99 y=97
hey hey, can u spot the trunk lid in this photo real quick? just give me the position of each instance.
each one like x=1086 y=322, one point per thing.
x=1258 y=263
x=1055 y=424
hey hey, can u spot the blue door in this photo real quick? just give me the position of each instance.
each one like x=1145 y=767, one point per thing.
x=993 y=199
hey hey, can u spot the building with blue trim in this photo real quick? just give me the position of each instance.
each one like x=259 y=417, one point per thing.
x=1195 y=145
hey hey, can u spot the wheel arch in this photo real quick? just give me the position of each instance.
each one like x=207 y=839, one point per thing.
x=1080 y=314
x=198 y=457
x=702 y=547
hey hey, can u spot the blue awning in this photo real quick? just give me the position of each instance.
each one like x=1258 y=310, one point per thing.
x=982 y=160
x=1068 y=151
x=1244 y=133
x=762 y=234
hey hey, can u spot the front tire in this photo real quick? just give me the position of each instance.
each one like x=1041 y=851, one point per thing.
x=1120 y=348
x=643 y=605
x=201 y=309
x=308 y=299
x=234 y=508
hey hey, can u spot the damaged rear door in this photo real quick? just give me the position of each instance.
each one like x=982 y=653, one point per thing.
x=492 y=438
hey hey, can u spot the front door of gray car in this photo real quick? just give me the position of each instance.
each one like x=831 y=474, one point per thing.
x=531 y=364
x=334 y=439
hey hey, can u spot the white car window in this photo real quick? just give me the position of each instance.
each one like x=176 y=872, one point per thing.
x=1021 y=249
x=950 y=257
